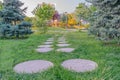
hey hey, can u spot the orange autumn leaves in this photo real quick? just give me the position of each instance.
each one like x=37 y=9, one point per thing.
x=71 y=21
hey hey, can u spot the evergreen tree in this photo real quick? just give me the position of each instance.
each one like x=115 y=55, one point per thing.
x=12 y=11
x=106 y=20
x=12 y=16
x=64 y=19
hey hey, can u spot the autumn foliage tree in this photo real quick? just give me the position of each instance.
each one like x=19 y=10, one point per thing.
x=71 y=20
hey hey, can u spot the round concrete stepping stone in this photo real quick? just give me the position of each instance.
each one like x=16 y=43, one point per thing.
x=43 y=50
x=45 y=46
x=48 y=42
x=79 y=65
x=32 y=66
x=62 y=42
x=63 y=45
x=65 y=49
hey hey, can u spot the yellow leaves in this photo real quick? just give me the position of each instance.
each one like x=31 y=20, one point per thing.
x=71 y=19
x=72 y=22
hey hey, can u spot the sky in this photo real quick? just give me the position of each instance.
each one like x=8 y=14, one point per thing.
x=60 y=5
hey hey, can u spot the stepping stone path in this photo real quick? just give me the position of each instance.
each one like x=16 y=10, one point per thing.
x=33 y=66
x=62 y=42
x=79 y=65
x=76 y=65
x=48 y=42
x=45 y=46
x=63 y=45
x=65 y=50
x=44 y=50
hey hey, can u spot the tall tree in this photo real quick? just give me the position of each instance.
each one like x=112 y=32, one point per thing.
x=64 y=19
x=82 y=11
x=44 y=13
x=12 y=16
x=1 y=5
x=107 y=20
x=12 y=11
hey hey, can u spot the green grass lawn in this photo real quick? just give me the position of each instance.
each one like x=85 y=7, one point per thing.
x=14 y=51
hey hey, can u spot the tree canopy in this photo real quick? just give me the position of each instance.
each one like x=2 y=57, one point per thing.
x=12 y=23
x=12 y=11
x=107 y=20
x=43 y=13
x=82 y=11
